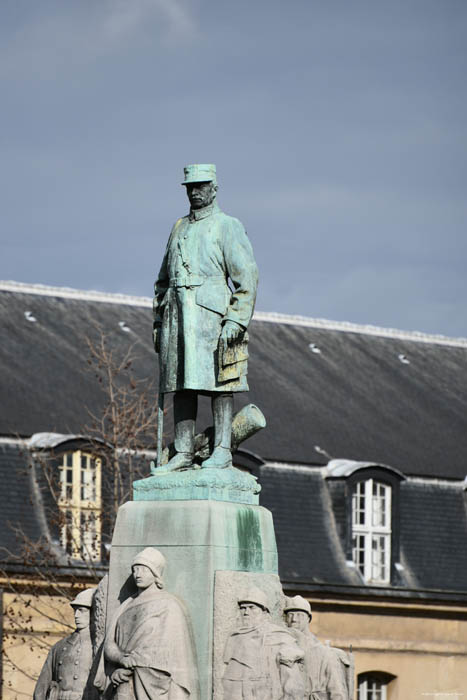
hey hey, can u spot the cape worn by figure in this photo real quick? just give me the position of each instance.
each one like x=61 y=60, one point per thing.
x=253 y=664
x=193 y=299
x=65 y=674
x=153 y=630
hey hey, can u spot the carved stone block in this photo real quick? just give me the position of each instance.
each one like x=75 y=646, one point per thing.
x=227 y=587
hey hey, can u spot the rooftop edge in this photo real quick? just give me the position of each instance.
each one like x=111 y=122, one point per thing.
x=264 y=316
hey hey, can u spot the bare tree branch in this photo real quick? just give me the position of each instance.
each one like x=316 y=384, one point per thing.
x=116 y=434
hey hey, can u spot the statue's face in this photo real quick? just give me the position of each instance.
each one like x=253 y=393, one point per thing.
x=143 y=576
x=82 y=617
x=251 y=614
x=200 y=194
x=298 y=619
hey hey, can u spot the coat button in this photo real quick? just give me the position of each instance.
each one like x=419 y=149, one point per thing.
x=76 y=662
x=60 y=662
x=75 y=678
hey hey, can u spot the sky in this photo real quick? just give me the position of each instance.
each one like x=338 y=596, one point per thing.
x=339 y=131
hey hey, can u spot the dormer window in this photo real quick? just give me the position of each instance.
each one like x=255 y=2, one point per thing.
x=366 y=496
x=80 y=504
x=371 y=530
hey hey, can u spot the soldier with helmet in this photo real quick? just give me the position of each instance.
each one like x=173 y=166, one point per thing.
x=200 y=322
x=66 y=671
x=262 y=659
x=329 y=670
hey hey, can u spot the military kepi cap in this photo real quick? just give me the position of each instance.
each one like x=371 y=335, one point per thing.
x=84 y=598
x=200 y=172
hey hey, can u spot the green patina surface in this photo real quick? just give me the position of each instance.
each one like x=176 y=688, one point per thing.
x=198 y=538
x=193 y=302
x=250 y=546
x=229 y=484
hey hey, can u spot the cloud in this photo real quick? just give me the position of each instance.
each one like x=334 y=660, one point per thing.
x=124 y=16
x=48 y=43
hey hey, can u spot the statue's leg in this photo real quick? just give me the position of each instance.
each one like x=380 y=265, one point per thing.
x=185 y=409
x=222 y=411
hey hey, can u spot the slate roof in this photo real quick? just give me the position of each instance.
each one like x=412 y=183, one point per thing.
x=433 y=526
x=16 y=503
x=306 y=529
x=365 y=394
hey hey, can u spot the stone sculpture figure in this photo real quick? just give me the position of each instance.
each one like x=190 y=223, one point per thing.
x=262 y=659
x=148 y=650
x=66 y=671
x=324 y=665
x=200 y=323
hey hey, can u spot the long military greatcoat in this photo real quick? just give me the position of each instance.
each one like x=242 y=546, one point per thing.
x=66 y=671
x=193 y=299
x=252 y=667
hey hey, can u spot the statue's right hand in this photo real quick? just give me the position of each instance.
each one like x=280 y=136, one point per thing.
x=121 y=675
x=156 y=336
x=128 y=661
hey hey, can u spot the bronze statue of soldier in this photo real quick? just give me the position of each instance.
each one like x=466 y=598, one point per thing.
x=200 y=322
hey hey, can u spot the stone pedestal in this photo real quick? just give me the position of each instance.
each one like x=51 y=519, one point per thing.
x=231 y=484
x=198 y=538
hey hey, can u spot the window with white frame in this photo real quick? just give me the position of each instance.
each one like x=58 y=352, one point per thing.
x=371 y=530
x=80 y=504
x=373 y=686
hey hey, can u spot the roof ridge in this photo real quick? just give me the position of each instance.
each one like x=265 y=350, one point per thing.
x=350 y=327
x=71 y=293
x=266 y=316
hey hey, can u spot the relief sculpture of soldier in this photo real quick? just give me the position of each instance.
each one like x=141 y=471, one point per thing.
x=262 y=659
x=329 y=670
x=66 y=674
x=200 y=322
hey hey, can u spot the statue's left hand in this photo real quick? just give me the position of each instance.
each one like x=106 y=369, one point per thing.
x=127 y=661
x=230 y=332
x=156 y=337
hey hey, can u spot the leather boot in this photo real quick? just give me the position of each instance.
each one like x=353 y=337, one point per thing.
x=185 y=409
x=222 y=412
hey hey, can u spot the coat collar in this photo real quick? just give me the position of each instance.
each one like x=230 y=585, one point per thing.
x=197 y=214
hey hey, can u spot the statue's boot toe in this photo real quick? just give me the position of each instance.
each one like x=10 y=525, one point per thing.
x=220 y=459
x=180 y=460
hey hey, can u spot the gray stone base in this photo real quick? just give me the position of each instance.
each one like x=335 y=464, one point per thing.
x=228 y=585
x=198 y=538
